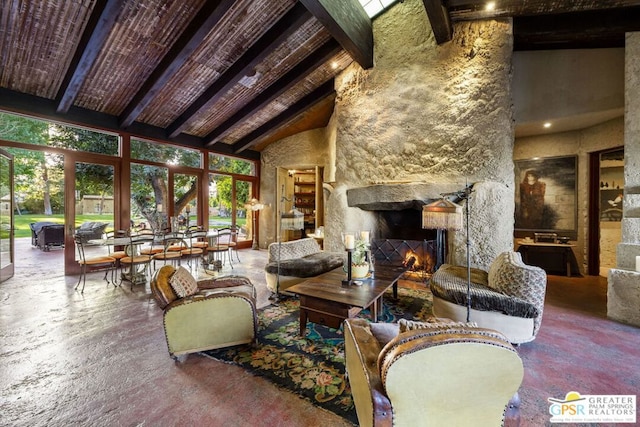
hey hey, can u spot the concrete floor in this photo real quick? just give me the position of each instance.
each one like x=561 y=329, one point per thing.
x=100 y=358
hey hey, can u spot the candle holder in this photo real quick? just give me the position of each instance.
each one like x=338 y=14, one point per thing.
x=348 y=281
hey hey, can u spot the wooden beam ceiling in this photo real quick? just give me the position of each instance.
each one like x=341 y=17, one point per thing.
x=349 y=24
x=100 y=25
x=439 y=19
x=295 y=75
x=206 y=19
x=276 y=35
x=323 y=91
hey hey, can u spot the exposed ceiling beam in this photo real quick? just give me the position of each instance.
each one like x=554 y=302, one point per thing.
x=45 y=109
x=439 y=19
x=205 y=20
x=102 y=21
x=284 y=83
x=273 y=38
x=591 y=29
x=306 y=102
x=348 y=23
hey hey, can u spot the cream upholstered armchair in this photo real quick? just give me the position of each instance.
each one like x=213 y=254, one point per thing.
x=204 y=315
x=442 y=375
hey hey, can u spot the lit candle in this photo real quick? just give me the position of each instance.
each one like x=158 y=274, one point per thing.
x=638 y=263
x=349 y=241
x=364 y=236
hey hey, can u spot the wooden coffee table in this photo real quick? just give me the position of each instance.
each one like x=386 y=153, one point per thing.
x=324 y=300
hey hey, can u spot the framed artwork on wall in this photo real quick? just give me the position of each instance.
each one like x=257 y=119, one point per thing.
x=546 y=196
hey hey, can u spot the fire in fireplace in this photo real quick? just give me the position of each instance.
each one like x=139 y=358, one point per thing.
x=419 y=256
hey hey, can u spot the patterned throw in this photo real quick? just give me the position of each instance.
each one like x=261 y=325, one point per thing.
x=313 y=367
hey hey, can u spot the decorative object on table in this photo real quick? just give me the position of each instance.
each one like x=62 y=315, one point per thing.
x=291 y=220
x=349 y=242
x=295 y=363
x=254 y=206
x=359 y=260
x=443 y=214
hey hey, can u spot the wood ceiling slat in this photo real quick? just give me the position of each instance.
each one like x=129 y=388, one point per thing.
x=37 y=43
x=286 y=25
x=278 y=106
x=323 y=54
x=221 y=48
x=203 y=23
x=293 y=50
x=323 y=91
x=145 y=32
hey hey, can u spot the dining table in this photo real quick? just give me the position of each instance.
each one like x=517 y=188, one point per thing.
x=136 y=273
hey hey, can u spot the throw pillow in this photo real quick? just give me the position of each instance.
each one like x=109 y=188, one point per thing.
x=435 y=323
x=496 y=266
x=183 y=283
x=515 y=278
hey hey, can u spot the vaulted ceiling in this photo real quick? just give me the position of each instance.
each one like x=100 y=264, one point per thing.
x=232 y=75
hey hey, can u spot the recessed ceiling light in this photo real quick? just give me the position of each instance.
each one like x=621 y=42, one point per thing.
x=334 y=65
x=547 y=125
x=490 y=6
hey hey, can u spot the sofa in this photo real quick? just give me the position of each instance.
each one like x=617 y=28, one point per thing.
x=91 y=230
x=206 y=314
x=299 y=260
x=45 y=234
x=508 y=298
x=439 y=373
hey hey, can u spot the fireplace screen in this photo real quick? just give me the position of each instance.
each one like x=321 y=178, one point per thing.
x=419 y=256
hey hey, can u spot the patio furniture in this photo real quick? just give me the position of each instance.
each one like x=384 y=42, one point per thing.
x=91 y=230
x=47 y=234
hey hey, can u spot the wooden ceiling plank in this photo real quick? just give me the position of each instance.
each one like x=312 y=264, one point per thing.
x=589 y=29
x=439 y=19
x=349 y=24
x=306 y=102
x=273 y=38
x=284 y=83
x=202 y=24
x=102 y=21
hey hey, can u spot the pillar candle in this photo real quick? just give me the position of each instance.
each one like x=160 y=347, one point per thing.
x=364 y=235
x=638 y=263
x=349 y=241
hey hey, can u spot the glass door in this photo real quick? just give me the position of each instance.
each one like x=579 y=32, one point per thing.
x=6 y=216
x=185 y=199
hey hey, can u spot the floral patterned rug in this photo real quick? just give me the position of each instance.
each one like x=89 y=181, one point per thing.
x=313 y=367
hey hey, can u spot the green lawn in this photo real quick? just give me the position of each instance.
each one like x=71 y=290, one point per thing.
x=22 y=221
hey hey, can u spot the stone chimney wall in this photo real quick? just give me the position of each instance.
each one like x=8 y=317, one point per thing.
x=429 y=114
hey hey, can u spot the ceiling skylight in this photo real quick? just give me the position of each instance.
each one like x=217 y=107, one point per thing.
x=376 y=7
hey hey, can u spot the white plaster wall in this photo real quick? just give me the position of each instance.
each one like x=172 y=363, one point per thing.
x=600 y=137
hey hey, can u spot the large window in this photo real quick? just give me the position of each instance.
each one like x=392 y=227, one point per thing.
x=163 y=153
x=55 y=135
x=149 y=199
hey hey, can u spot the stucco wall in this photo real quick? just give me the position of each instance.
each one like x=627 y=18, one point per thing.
x=603 y=136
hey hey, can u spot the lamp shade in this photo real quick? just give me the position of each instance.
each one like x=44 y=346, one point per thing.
x=442 y=214
x=254 y=205
x=292 y=220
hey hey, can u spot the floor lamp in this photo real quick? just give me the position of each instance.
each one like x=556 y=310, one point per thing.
x=255 y=206
x=291 y=220
x=443 y=214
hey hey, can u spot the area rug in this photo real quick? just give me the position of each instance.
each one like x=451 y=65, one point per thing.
x=313 y=367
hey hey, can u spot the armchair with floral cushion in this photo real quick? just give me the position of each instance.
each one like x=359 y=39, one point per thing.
x=439 y=373
x=204 y=315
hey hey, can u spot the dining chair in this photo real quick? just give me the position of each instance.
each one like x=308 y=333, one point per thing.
x=233 y=242
x=173 y=244
x=101 y=262
x=218 y=249
x=193 y=251
x=135 y=263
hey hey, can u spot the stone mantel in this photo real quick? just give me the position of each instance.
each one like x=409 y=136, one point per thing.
x=398 y=196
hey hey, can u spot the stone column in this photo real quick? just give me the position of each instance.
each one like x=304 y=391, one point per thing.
x=623 y=295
